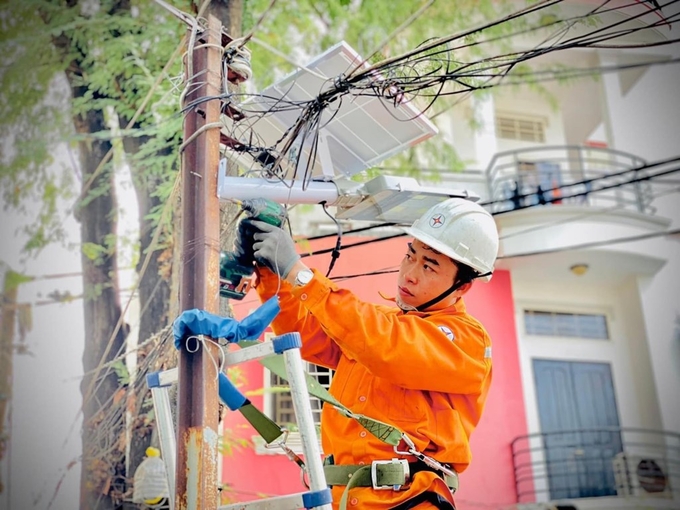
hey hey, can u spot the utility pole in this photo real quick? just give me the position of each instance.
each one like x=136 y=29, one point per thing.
x=197 y=420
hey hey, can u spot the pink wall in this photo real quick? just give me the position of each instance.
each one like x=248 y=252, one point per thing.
x=489 y=480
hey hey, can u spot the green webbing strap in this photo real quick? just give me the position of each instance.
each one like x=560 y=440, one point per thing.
x=389 y=473
x=354 y=476
x=267 y=428
x=386 y=433
x=354 y=482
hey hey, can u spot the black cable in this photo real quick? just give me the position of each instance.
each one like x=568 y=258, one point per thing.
x=401 y=73
x=359 y=243
x=529 y=195
x=372 y=273
x=583 y=193
x=547 y=200
x=586 y=182
x=353 y=231
x=335 y=252
x=593 y=244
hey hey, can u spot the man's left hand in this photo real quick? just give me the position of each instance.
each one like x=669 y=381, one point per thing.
x=274 y=247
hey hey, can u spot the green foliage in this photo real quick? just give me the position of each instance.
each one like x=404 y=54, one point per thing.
x=112 y=57
x=121 y=371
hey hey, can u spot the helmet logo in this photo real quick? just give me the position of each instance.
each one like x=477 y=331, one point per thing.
x=437 y=220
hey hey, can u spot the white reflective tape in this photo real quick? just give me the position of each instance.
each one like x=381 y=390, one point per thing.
x=487 y=352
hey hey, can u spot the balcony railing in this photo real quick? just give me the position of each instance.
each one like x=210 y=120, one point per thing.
x=586 y=463
x=573 y=175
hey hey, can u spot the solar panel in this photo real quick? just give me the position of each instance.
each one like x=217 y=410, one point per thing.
x=356 y=131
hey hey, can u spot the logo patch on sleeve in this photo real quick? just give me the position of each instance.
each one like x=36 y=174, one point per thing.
x=449 y=334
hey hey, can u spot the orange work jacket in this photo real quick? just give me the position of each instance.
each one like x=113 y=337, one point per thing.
x=427 y=374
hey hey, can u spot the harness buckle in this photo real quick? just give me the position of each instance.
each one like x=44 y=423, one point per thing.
x=382 y=487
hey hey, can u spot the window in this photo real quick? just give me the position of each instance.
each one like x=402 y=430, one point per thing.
x=282 y=403
x=574 y=325
x=526 y=129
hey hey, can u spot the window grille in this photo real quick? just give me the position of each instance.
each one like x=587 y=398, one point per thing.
x=282 y=402
x=573 y=325
x=526 y=129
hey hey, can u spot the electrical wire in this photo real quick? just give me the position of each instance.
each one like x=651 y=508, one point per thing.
x=578 y=217
x=353 y=245
x=587 y=183
x=590 y=181
x=335 y=253
x=593 y=244
x=399 y=79
x=582 y=246
x=633 y=180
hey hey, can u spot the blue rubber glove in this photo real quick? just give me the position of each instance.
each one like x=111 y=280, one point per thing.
x=200 y=322
x=273 y=247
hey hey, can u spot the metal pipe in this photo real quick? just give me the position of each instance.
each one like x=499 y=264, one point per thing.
x=282 y=192
x=197 y=419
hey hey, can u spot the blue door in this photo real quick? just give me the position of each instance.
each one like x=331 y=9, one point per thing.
x=579 y=423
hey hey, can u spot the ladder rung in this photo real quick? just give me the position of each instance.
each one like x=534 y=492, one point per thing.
x=252 y=352
x=162 y=379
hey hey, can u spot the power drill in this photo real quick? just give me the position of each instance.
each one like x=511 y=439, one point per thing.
x=236 y=271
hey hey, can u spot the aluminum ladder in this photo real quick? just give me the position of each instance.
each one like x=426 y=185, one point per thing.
x=288 y=345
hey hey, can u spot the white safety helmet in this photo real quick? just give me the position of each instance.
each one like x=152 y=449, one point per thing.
x=462 y=230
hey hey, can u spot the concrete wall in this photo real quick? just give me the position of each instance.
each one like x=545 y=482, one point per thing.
x=646 y=121
x=625 y=350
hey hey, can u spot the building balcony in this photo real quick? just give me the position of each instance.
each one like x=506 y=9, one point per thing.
x=588 y=464
x=568 y=175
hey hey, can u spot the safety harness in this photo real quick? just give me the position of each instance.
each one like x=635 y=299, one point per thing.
x=395 y=474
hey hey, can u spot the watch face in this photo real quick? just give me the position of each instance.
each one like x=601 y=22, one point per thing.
x=304 y=277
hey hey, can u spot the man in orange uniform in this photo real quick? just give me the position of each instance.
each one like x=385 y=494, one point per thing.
x=423 y=367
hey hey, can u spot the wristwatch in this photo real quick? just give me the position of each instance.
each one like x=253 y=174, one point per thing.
x=303 y=277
